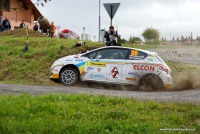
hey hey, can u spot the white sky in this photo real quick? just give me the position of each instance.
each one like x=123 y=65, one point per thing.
x=178 y=17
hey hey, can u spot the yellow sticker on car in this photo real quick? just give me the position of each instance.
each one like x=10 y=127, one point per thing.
x=98 y=64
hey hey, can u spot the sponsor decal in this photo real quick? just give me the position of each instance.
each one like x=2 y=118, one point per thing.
x=138 y=57
x=135 y=74
x=68 y=60
x=98 y=64
x=98 y=69
x=98 y=76
x=130 y=57
x=131 y=79
x=163 y=68
x=87 y=63
x=116 y=72
x=150 y=59
x=144 y=67
x=90 y=68
x=78 y=60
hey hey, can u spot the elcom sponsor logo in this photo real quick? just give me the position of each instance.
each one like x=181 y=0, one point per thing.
x=144 y=67
x=97 y=76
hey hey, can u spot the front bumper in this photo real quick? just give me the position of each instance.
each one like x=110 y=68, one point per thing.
x=54 y=71
x=167 y=79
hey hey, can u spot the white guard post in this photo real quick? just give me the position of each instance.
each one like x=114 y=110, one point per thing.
x=103 y=40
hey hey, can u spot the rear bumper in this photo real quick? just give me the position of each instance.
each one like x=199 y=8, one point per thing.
x=167 y=79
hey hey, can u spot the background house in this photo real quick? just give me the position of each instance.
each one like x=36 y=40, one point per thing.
x=18 y=10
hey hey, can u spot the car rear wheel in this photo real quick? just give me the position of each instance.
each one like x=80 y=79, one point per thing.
x=151 y=82
x=69 y=76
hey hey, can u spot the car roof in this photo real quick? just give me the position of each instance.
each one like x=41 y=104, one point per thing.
x=146 y=51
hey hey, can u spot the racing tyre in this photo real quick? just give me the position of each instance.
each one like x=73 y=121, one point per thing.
x=69 y=76
x=151 y=82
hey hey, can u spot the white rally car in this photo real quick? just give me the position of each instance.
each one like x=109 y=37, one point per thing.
x=113 y=64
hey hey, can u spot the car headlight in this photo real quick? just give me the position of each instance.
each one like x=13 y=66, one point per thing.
x=56 y=63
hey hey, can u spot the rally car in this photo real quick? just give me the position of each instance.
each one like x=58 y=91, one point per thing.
x=114 y=64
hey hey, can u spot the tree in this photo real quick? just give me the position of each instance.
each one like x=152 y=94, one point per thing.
x=150 y=34
x=123 y=41
x=131 y=40
x=1 y=4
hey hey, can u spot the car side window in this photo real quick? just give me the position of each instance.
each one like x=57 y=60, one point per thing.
x=90 y=55
x=112 y=53
x=137 y=55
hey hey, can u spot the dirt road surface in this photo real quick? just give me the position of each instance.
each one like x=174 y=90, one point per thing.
x=180 y=96
x=187 y=55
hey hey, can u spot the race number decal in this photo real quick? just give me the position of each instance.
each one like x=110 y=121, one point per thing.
x=134 y=52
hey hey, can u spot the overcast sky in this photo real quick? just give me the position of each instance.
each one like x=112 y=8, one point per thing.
x=178 y=17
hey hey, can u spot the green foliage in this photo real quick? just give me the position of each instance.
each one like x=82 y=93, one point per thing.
x=123 y=41
x=150 y=34
x=131 y=40
x=83 y=114
x=1 y=4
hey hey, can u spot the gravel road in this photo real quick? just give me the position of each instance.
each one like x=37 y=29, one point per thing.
x=181 y=96
x=184 y=55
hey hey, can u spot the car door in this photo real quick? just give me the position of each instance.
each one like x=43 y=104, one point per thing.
x=94 y=69
x=108 y=64
x=135 y=66
x=115 y=63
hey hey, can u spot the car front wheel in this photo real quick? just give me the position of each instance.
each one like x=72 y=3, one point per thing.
x=69 y=76
x=151 y=82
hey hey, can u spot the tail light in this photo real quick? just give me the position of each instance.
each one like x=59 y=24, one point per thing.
x=163 y=68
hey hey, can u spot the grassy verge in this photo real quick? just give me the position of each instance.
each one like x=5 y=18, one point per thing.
x=33 y=66
x=59 y=113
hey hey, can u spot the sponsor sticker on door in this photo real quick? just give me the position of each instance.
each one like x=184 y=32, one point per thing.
x=144 y=67
x=98 y=64
x=96 y=76
x=116 y=72
x=131 y=79
x=98 y=69
x=90 y=68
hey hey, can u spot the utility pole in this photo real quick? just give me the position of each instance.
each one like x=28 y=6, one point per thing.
x=99 y=21
x=111 y=11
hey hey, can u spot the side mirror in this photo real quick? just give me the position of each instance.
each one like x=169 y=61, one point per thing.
x=99 y=57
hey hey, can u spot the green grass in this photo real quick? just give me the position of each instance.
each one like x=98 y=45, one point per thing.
x=83 y=114
x=33 y=66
